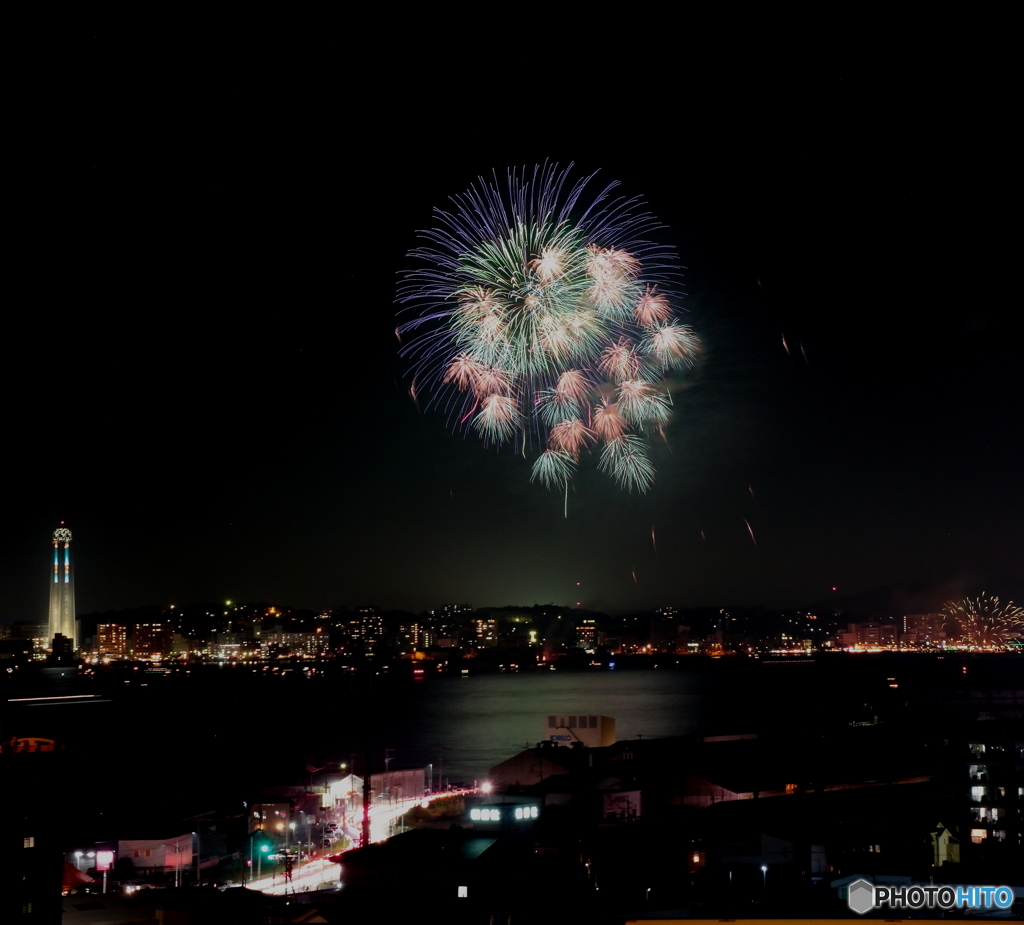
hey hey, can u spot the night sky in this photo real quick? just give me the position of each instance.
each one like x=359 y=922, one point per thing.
x=201 y=370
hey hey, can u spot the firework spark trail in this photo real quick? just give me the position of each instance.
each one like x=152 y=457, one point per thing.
x=803 y=353
x=750 y=530
x=703 y=537
x=634 y=578
x=785 y=345
x=654 y=541
x=985 y=622
x=544 y=318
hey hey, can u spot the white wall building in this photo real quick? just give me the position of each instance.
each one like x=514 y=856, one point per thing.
x=164 y=853
x=567 y=728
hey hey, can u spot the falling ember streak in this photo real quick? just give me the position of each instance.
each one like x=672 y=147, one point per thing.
x=634 y=578
x=750 y=530
x=654 y=541
x=785 y=345
x=804 y=354
x=750 y=488
x=703 y=537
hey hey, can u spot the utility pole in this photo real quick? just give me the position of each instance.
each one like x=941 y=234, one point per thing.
x=365 y=838
x=387 y=787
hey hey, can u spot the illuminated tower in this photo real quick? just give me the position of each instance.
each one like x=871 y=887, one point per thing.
x=62 y=589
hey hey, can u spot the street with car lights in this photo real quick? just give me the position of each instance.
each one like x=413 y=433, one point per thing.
x=321 y=872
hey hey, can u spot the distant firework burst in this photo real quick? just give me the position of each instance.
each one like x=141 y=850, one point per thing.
x=984 y=622
x=544 y=319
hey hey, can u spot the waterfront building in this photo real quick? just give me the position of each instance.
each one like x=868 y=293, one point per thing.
x=586 y=634
x=927 y=629
x=62 y=649
x=62 y=589
x=414 y=637
x=278 y=644
x=486 y=632
x=37 y=634
x=666 y=630
x=869 y=636
x=153 y=640
x=112 y=639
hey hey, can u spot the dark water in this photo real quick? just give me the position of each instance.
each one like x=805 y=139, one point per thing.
x=151 y=745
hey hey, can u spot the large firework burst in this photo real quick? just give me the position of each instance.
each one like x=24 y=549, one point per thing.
x=544 y=319
x=984 y=622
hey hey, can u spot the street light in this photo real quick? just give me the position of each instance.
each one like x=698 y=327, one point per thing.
x=309 y=833
x=176 y=845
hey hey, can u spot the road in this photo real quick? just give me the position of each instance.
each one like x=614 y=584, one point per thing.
x=313 y=874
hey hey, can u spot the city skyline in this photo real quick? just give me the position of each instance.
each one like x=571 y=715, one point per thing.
x=62 y=616
x=237 y=421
